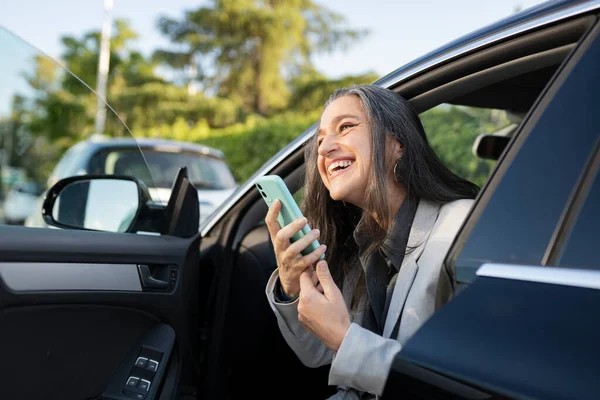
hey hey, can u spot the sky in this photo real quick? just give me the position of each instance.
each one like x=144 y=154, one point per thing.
x=400 y=31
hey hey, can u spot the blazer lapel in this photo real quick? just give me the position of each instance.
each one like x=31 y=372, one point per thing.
x=423 y=222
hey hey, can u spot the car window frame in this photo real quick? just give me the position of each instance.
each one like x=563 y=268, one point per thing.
x=518 y=142
x=590 y=180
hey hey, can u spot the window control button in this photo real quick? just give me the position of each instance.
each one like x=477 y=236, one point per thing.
x=152 y=365
x=134 y=395
x=141 y=362
x=132 y=381
x=144 y=385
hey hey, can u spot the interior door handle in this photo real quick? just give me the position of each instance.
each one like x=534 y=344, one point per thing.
x=149 y=281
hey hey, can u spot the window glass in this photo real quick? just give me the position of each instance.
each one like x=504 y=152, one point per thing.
x=48 y=121
x=204 y=171
x=453 y=131
x=581 y=247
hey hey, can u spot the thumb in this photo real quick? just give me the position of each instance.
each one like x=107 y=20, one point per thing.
x=325 y=278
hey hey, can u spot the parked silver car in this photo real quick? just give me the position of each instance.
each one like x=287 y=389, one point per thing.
x=21 y=201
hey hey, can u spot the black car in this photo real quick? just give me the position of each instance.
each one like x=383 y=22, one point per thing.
x=182 y=314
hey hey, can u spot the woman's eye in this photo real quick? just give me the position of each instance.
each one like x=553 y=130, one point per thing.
x=345 y=126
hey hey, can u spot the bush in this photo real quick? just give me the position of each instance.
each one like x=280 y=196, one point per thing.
x=247 y=146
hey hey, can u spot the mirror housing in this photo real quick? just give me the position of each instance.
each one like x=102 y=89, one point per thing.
x=490 y=147
x=91 y=203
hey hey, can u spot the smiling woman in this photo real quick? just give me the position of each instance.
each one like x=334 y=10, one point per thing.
x=388 y=209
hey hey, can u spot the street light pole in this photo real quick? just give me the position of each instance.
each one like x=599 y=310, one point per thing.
x=103 y=65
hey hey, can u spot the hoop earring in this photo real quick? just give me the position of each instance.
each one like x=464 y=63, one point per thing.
x=396 y=168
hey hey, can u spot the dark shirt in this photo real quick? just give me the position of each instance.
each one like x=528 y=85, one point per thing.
x=382 y=265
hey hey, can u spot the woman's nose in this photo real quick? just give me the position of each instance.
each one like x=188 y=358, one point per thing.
x=328 y=144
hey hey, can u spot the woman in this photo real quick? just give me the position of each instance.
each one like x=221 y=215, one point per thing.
x=387 y=210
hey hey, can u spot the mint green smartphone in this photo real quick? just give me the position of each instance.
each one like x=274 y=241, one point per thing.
x=272 y=187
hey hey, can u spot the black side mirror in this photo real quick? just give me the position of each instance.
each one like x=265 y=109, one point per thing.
x=103 y=203
x=490 y=147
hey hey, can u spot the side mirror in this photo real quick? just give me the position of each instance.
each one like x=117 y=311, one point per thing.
x=103 y=203
x=490 y=147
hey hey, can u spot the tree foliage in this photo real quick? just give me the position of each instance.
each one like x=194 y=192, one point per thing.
x=243 y=49
x=452 y=131
x=255 y=88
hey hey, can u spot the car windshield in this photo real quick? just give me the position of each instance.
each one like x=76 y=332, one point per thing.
x=47 y=117
x=204 y=171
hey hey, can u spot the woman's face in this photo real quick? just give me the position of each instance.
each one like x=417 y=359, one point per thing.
x=344 y=159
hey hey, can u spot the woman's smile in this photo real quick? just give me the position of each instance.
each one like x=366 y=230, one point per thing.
x=339 y=167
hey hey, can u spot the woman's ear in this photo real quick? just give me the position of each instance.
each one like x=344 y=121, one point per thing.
x=394 y=150
x=398 y=149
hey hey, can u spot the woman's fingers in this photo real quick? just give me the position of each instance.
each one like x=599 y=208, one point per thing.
x=313 y=257
x=283 y=236
x=315 y=278
x=304 y=241
x=315 y=281
x=320 y=289
x=290 y=260
x=271 y=218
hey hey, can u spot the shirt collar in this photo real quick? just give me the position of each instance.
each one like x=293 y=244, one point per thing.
x=394 y=246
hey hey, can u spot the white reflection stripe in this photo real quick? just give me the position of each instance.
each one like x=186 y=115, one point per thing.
x=584 y=278
x=24 y=277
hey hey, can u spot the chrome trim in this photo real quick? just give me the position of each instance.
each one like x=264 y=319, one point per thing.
x=583 y=278
x=395 y=79
x=25 y=277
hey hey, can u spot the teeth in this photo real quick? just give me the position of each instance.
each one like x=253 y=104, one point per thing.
x=342 y=164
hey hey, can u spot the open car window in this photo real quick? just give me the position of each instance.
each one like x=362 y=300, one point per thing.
x=47 y=131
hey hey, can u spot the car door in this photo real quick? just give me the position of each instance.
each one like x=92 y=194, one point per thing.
x=90 y=314
x=524 y=321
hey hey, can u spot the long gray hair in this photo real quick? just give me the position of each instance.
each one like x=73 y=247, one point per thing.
x=419 y=171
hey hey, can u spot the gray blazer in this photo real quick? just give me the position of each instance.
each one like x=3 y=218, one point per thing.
x=364 y=358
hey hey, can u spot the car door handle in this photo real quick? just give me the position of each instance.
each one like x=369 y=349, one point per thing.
x=149 y=281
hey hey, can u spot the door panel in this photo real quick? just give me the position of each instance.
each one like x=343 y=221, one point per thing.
x=74 y=310
x=514 y=333
x=66 y=351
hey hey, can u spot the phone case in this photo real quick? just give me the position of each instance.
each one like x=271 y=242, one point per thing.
x=272 y=187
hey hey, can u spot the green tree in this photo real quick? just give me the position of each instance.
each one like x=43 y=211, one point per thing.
x=81 y=56
x=245 y=49
x=311 y=89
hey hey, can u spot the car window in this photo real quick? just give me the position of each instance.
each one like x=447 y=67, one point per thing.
x=516 y=218
x=160 y=168
x=47 y=122
x=580 y=248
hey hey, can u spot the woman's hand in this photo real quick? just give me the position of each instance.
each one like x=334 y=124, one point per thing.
x=322 y=309
x=290 y=261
